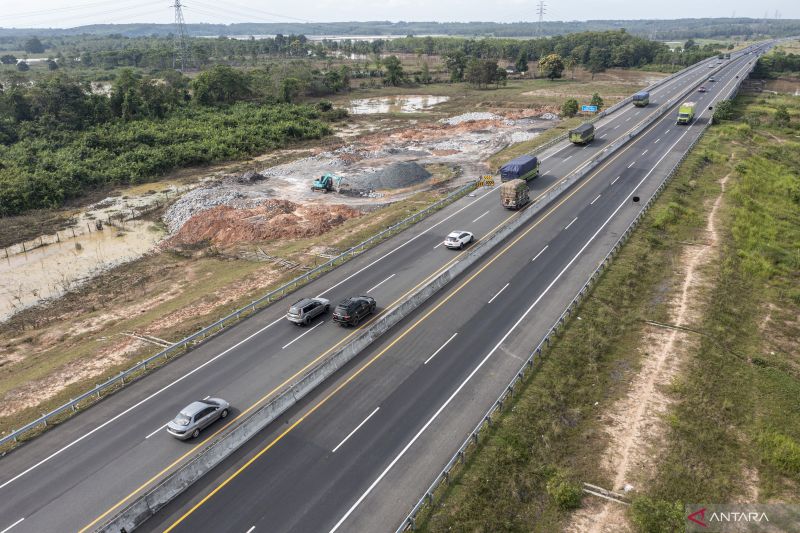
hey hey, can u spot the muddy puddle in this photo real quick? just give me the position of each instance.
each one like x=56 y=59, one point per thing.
x=50 y=270
x=104 y=235
x=394 y=104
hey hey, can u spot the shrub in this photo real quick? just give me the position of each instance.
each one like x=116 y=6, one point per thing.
x=570 y=108
x=657 y=516
x=566 y=494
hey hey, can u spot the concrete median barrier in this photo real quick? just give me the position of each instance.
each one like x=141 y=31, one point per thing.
x=146 y=505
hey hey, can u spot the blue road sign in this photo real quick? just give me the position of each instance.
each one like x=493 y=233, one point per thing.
x=590 y=108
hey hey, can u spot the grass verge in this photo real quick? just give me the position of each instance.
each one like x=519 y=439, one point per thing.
x=734 y=432
x=145 y=280
x=527 y=469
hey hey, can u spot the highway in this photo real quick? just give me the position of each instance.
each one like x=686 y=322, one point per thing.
x=356 y=455
x=78 y=473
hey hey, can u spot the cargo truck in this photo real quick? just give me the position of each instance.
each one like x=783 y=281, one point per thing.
x=514 y=194
x=686 y=113
x=583 y=134
x=524 y=167
x=641 y=99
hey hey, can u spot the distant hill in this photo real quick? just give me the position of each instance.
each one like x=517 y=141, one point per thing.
x=679 y=29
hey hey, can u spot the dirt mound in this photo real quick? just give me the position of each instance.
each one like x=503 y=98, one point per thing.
x=271 y=220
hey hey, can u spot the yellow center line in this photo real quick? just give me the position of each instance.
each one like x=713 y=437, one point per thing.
x=393 y=343
x=329 y=350
x=282 y=385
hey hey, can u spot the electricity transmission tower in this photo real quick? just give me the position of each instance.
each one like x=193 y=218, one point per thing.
x=182 y=53
x=541 y=9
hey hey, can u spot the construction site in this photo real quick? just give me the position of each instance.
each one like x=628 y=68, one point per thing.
x=147 y=265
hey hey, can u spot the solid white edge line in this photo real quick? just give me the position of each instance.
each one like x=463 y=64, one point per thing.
x=170 y=385
x=302 y=335
x=381 y=283
x=134 y=406
x=412 y=239
x=156 y=431
x=540 y=253
x=480 y=217
x=498 y=292
x=571 y=223
x=356 y=429
x=12 y=525
x=593 y=201
x=502 y=340
x=453 y=336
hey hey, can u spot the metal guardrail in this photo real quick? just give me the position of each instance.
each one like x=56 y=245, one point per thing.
x=460 y=456
x=622 y=103
x=138 y=369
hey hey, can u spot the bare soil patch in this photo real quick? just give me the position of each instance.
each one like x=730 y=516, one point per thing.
x=636 y=423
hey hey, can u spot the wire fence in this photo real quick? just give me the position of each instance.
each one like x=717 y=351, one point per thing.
x=460 y=456
x=115 y=383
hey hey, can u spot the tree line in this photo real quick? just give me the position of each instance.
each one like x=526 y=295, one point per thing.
x=58 y=138
x=678 y=29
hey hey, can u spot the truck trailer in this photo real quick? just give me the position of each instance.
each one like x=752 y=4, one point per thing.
x=524 y=167
x=641 y=99
x=514 y=194
x=686 y=113
x=583 y=134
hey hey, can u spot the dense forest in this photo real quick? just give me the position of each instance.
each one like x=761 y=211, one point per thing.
x=58 y=138
x=678 y=29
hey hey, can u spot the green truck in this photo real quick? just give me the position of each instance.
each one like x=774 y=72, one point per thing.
x=524 y=167
x=641 y=99
x=583 y=134
x=686 y=113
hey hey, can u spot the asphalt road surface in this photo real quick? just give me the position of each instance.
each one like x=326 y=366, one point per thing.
x=326 y=465
x=359 y=451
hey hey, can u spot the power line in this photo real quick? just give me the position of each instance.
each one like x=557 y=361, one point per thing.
x=182 y=53
x=541 y=9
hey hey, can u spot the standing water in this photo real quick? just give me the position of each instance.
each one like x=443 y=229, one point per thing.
x=394 y=104
x=30 y=276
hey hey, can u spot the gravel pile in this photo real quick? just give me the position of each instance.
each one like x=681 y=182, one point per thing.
x=469 y=117
x=198 y=200
x=395 y=176
x=522 y=136
x=548 y=116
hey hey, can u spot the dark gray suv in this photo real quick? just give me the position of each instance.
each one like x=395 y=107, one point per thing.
x=352 y=310
x=304 y=311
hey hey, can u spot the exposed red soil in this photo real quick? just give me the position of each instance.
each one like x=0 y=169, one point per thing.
x=272 y=220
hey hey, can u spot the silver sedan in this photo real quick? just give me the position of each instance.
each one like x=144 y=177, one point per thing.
x=197 y=416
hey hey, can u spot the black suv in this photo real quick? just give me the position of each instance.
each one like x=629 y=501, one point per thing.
x=351 y=310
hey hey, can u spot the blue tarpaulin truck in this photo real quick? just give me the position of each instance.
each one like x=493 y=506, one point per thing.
x=641 y=99
x=524 y=167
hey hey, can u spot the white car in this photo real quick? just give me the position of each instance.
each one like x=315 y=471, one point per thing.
x=458 y=239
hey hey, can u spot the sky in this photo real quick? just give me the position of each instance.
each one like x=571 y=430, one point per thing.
x=65 y=13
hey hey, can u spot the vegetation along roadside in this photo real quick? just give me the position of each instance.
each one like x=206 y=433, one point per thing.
x=733 y=423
